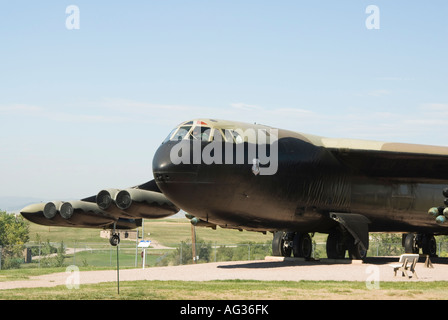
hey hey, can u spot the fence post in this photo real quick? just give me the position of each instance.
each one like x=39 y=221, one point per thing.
x=1 y=252
x=40 y=258
x=180 y=258
x=74 y=253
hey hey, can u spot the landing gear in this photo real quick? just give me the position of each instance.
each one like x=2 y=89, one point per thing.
x=410 y=243
x=302 y=245
x=285 y=243
x=114 y=239
x=339 y=241
x=429 y=245
x=282 y=244
x=336 y=246
x=413 y=242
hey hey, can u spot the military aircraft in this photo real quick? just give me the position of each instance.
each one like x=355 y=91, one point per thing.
x=258 y=178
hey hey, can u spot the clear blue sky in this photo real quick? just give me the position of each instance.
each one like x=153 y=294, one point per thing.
x=85 y=109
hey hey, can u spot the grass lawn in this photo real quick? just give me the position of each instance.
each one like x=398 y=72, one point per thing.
x=235 y=290
x=167 y=232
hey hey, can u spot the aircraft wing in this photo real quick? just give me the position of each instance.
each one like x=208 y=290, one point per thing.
x=404 y=162
x=123 y=209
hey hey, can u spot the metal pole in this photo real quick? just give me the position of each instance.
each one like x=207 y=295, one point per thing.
x=193 y=242
x=180 y=258
x=118 y=273
x=136 y=248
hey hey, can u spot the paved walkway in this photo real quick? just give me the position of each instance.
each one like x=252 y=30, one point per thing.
x=374 y=269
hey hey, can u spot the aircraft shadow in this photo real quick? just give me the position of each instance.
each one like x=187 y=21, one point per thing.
x=282 y=264
x=263 y=265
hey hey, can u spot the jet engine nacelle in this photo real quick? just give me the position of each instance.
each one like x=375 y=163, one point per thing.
x=135 y=203
x=105 y=199
x=80 y=214
x=144 y=204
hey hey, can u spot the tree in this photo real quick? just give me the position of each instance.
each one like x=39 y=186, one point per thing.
x=14 y=233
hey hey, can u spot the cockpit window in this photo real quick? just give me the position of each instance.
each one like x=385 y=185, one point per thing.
x=233 y=136
x=218 y=135
x=169 y=136
x=206 y=131
x=237 y=137
x=200 y=133
x=185 y=132
x=181 y=133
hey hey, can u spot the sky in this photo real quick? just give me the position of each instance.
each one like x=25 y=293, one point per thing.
x=87 y=95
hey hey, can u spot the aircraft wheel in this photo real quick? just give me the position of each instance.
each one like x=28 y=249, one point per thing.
x=114 y=240
x=356 y=252
x=410 y=244
x=429 y=245
x=336 y=245
x=281 y=244
x=302 y=245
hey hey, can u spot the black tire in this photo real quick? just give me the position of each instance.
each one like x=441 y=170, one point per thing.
x=302 y=245
x=277 y=244
x=336 y=246
x=280 y=244
x=356 y=252
x=429 y=245
x=114 y=240
x=410 y=244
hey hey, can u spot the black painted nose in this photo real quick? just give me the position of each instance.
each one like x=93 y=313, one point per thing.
x=169 y=166
x=177 y=181
x=162 y=164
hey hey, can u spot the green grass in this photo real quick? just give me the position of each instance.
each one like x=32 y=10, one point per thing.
x=168 y=232
x=234 y=290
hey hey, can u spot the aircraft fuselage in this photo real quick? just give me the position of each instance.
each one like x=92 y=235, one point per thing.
x=310 y=182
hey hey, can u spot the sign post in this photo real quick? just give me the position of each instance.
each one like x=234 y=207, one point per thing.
x=144 y=244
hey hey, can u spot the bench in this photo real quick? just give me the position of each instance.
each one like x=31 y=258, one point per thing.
x=406 y=264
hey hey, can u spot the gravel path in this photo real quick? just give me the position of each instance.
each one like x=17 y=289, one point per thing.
x=274 y=269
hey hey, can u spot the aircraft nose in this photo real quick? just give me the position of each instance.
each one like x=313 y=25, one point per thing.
x=167 y=172
x=161 y=162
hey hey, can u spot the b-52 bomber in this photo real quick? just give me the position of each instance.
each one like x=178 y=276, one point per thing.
x=258 y=178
